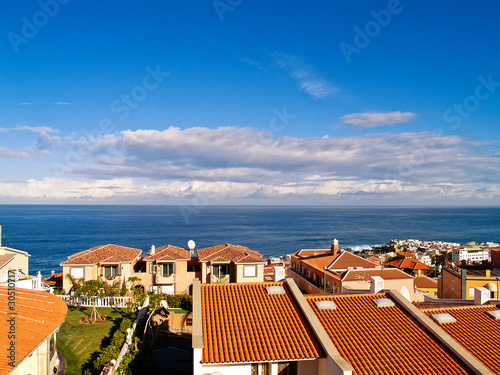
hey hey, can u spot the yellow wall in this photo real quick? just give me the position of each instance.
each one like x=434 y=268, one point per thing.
x=20 y=261
x=240 y=278
x=37 y=362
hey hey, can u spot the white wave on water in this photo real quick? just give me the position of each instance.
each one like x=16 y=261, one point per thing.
x=358 y=248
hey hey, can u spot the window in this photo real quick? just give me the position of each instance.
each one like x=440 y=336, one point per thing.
x=77 y=273
x=220 y=270
x=167 y=269
x=264 y=370
x=152 y=268
x=249 y=271
x=189 y=322
x=109 y=271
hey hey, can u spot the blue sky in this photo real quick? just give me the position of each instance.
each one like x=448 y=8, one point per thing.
x=239 y=102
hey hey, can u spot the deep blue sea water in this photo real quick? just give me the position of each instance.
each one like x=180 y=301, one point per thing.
x=52 y=232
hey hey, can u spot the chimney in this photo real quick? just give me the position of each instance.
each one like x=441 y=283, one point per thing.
x=153 y=249
x=52 y=273
x=377 y=284
x=335 y=247
x=481 y=296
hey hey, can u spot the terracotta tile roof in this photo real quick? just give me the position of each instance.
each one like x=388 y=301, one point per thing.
x=229 y=253
x=338 y=262
x=55 y=279
x=6 y=258
x=304 y=253
x=385 y=273
x=38 y=315
x=405 y=254
x=425 y=282
x=103 y=254
x=407 y=263
x=347 y=259
x=374 y=259
x=382 y=340
x=243 y=323
x=475 y=330
x=168 y=252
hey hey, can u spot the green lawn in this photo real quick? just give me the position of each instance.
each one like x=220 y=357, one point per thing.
x=79 y=343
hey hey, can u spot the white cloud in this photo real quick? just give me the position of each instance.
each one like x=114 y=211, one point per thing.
x=231 y=163
x=375 y=119
x=308 y=80
x=5 y=153
x=59 y=103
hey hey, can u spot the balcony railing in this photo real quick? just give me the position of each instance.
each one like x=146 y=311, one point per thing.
x=99 y=302
x=219 y=279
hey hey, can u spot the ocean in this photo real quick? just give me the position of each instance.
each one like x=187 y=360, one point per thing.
x=52 y=232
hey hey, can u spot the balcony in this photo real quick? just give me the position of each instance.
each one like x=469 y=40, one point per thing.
x=219 y=279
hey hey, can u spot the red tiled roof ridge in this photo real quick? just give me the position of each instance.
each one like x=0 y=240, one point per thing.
x=114 y=249
x=351 y=255
x=229 y=252
x=455 y=307
x=168 y=252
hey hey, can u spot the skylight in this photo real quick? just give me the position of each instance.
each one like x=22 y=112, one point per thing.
x=443 y=318
x=275 y=289
x=325 y=305
x=495 y=314
x=383 y=302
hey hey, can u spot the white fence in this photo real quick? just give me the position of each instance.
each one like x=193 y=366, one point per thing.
x=99 y=302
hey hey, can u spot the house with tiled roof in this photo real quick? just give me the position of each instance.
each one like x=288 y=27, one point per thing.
x=406 y=262
x=167 y=269
x=230 y=263
x=338 y=271
x=424 y=284
x=108 y=263
x=13 y=260
x=28 y=328
x=272 y=328
x=258 y=329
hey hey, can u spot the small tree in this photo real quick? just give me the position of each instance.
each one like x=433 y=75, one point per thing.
x=155 y=308
x=93 y=289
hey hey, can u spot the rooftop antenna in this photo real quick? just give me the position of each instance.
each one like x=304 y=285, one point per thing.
x=191 y=246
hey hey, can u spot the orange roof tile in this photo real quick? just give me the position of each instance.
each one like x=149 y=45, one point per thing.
x=6 y=258
x=405 y=254
x=243 y=323
x=304 y=253
x=425 y=282
x=168 y=252
x=38 y=315
x=475 y=330
x=385 y=273
x=103 y=254
x=55 y=279
x=347 y=259
x=407 y=263
x=382 y=340
x=374 y=259
x=229 y=253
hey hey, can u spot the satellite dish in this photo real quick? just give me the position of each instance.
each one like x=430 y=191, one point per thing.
x=191 y=245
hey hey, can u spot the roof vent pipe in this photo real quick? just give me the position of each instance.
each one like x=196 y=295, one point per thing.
x=153 y=248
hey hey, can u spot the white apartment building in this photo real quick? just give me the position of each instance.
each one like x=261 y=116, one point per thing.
x=470 y=254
